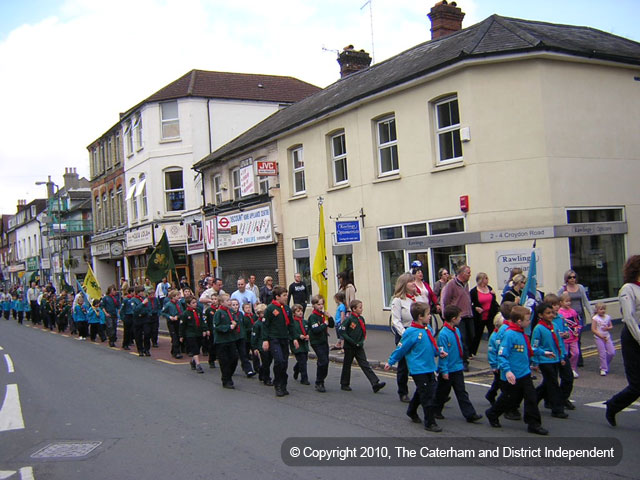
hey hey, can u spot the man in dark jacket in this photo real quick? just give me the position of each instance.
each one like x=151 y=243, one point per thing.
x=298 y=292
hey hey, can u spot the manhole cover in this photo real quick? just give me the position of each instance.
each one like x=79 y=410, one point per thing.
x=66 y=450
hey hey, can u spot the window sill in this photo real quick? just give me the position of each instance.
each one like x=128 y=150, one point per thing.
x=170 y=140
x=138 y=149
x=298 y=196
x=447 y=166
x=339 y=187
x=388 y=178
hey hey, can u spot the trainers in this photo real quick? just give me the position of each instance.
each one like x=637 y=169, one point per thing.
x=474 y=418
x=414 y=417
x=346 y=388
x=513 y=415
x=320 y=388
x=575 y=374
x=434 y=427
x=569 y=405
x=378 y=386
x=603 y=372
x=537 y=429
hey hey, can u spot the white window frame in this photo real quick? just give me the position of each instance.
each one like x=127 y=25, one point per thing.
x=117 y=147
x=98 y=212
x=137 y=127
x=236 y=188
x=444 y=130
x=169 y=191
x=141 y=191
x=120 y=201
x=216 y=182
x=297 y=153
x=134 y=200
x=341 y=157
x=387 y=145
x=166 y=122
x=128 y=133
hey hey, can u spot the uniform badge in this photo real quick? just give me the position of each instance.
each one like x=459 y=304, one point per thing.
x=276 y=313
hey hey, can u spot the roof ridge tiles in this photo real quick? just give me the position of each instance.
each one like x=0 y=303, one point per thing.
x=517 y=30
x=192 y=82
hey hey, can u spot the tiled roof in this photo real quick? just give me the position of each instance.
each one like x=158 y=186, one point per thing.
x=493 y=36
x=233 y=86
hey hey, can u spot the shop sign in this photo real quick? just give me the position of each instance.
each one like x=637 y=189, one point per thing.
x=176 y=233
x=195 y=236
x=247 y=181
x=33 y=264
x=267 y=169
x=141 y=237
x=251 y=227
x=347 y=231
x=508 y=259
x=100 y=249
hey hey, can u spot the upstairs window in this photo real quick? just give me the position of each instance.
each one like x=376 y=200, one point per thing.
x=137 y=128
x=217 y=189
x=448 y=130
x=297 y=163
x=170 y=121
x=174 y=190
x=339 y=159
x=235 y=183
x=141 y=191
x=387 y=146
x=128 y=133
x=134 y=200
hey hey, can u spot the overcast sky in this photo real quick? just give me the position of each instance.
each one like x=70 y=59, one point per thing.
x=67 y=68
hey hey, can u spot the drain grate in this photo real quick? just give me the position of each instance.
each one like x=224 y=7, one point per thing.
x=66 y=450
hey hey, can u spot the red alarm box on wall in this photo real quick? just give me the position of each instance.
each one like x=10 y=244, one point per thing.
x=464 y=203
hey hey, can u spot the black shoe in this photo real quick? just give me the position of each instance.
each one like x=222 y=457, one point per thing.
x=304 y=382
x=193 y=364
x=346 y=388
x=414 y=417
x=230 y=386
x=147 y=353
x=439 y=416
x=111 y=344
x=280 y=392
x=295 y=374
x=513 y=415
x=126 y=348
x=212 y=365
x=251 y=374
x=378 y=386
x=405 y=398
x=569 y=406
x=155 y=345
x=491 y=399
x=537 y=429
x=179 y=356
x=268 y=383
x=141 y=354
x=610 y=416
x=434 y=427
x=474 y=418
x=286 y=392
x=199 y=369
x=559 y=415
x=320 y=388
x=493 y=421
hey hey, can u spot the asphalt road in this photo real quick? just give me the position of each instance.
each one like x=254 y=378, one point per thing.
x=148 y=419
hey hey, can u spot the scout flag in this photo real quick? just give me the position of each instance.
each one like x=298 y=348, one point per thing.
x=91 y=284
x=531 y=286
x=319 y=271
x=161 y=260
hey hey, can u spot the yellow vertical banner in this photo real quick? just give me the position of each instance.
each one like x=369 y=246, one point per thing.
x=319 y=270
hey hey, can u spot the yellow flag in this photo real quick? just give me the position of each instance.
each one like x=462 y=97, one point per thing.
x=319 y=271
x=91 y=285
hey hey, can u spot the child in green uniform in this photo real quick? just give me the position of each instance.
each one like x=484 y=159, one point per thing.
x=318 y=325
x=302 y=351
x=225 y=335
x=257 y=337
x=354 y=333
x=193 y=331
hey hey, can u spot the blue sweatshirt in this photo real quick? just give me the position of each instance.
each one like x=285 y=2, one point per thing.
x=96 y=317
x=79 y=314
x=492 y=350
x=417 y=348
x=542 y=339
x=447 y=342
x=561 y=327
x=513 y=355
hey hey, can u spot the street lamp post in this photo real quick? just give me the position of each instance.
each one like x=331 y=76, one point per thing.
x=50 y=184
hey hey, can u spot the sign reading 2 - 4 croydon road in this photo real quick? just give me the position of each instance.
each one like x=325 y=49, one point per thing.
x=348 y=231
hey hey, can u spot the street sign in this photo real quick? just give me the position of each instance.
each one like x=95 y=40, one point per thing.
x=266 y=169
x=223 y=222
x=348 y=231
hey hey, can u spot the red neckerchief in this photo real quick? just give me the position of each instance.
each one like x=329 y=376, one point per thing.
x=320 y=314
x=115 y=300
x=517 y=328
x=226 y=309
x=553 y=332
x=138 y=297
x=195 y=314
x=453 y=329
x=413 y=297
x=495 y=330
x=286 y=316
x=433 y=340
x=364 y=329
x=299 y=320
x=177 y=304
x=250 y=316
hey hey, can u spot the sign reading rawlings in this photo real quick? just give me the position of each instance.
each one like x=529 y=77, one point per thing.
x=247 y=228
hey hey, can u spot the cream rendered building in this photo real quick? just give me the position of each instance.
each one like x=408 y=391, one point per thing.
x=530 y=127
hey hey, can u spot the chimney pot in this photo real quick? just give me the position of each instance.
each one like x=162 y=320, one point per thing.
x=352 y=61
x=446 y=18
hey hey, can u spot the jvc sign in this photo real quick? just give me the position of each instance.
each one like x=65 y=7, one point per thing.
x=348 y=231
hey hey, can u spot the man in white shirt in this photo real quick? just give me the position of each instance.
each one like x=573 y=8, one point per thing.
x=162 y=290
x=243 y=294
x=214 y=287
x=253 y=287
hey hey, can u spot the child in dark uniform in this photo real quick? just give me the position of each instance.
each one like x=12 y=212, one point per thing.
x=318 y=325
x=354 y=333
x=193 y=331
x=257 y=337
x=302 y=352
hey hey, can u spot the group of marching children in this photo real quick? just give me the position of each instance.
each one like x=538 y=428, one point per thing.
x=263 y=335
x=512 y=355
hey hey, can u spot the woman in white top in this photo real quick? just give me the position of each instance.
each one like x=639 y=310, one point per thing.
x=403 y=298
x=424 y=293
x=629 y=298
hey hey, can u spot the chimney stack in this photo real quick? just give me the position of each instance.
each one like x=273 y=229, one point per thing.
x=352 y=61
x=446 y=18
x=70 y=179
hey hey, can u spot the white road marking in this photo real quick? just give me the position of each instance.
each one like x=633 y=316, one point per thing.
x=7 y=359
x=602 y=405
x=1 y=348
x=6 y=473
x=479 y=384
x=11 y=412
x=26 y=473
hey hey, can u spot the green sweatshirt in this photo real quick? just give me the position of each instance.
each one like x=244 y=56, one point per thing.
x=318 y=327
x=299 y=328
x=275 y=322
x=222 y=326
x=351 y=331
x=188 y=326
x=258 y=335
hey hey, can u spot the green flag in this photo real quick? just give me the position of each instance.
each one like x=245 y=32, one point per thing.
x=161 y=260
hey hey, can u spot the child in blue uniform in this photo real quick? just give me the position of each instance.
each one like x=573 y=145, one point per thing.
x=546 y=338
x=492 y=356
x=420 y=349
x=451 y=367
x=513 y=358
x=566 y=373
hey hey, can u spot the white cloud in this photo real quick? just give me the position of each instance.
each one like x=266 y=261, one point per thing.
x=64 y=80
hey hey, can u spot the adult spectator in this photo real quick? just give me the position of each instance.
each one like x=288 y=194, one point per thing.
x=148 y=286
x=443 y=279
x=345 y=285
x=184 y=283
x=456 y=292
x=579 y=302
x=629 y=298
x=32 y=296
x=124 y=287
x=509 y=286
x=110 y=303
x=514 y=292
x=425 y=294
x=162 y=290
x=298 y=292
x=243 y=294
x=266 y=292
x=485 y=308
x=404 y=296
x=214 y=287
x=253 y=287
x=203 y=280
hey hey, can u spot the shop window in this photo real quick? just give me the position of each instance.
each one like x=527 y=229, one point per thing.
x=390 y=233
x=344 y=263
x=392 y=268
x=452 y=225
x=416 y=230
x=598 y=259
